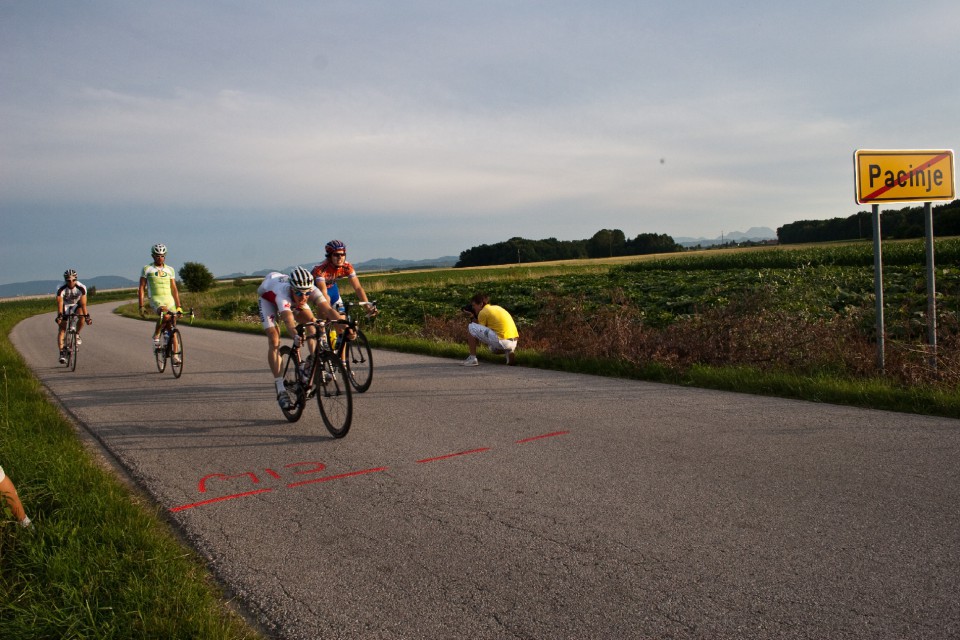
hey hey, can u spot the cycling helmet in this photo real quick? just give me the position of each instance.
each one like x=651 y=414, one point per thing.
x=158 y=250
x=335 y=245
x=70 y=273
x=301 y=279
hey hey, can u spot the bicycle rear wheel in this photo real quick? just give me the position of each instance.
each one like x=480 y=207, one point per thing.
x=176 y=354
x=289 y=370
x=333 y=394
x=73 y=351
x=359 y=360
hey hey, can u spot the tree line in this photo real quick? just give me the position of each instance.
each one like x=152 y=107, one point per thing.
x=894 y=224
x=604 y=243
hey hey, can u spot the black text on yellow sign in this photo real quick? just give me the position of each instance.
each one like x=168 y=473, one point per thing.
x=904 y=176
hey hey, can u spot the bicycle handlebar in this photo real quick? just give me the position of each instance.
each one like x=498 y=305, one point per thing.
x=301 y=327
x=74 y=314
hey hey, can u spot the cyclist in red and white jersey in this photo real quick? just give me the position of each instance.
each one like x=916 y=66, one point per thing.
x=334 y=268
x=72 y=295
x=285 y=298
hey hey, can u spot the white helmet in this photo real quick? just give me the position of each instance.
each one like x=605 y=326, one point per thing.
x=301 y=279
x=158 y=250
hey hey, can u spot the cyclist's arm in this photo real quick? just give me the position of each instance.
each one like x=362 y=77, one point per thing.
x=59 y=304
x=358 y=289
x=286 y=316
x=176 y=293
x=143 y=285
x=82 y=305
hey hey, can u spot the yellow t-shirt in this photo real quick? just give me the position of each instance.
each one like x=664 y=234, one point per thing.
x=498 y=319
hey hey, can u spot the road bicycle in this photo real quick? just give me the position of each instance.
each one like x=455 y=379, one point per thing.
x=170 y=347
x=355 y=354
x=71 y=344
x=322 y=375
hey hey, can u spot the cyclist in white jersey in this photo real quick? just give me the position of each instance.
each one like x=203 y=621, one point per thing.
x=159 y=283
x=285 y=299
x=72 y=295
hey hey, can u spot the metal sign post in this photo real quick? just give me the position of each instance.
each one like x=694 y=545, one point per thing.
x=931 y=286
x=878 y=286
x=898 y=176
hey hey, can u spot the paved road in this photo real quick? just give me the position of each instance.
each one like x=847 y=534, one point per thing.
x=578 y=506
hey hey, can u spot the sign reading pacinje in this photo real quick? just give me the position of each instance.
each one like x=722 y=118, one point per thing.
x=903 y=176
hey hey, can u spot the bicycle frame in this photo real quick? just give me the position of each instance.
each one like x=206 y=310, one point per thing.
x=173 y=346
x=71 y=334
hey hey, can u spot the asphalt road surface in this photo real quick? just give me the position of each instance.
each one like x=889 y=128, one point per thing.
x=506 y=502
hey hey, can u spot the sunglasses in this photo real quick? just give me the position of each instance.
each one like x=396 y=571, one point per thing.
x=299 y=293
x=339 y=255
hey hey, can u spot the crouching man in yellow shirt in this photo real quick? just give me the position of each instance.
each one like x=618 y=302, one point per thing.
x=493 y=326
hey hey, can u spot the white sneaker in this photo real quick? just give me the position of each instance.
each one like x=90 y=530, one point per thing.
x=471 y=361
x=176 y=360
x=63 y=358
x=156 y=341
x=79 y=341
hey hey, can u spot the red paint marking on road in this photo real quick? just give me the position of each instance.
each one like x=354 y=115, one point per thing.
x=454 y=455
x=318 y=466
x=184 y=507
x=336 y=477
x=546 y=435
x=926 y=165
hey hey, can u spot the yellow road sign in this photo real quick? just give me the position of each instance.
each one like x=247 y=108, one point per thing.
x=903 y=176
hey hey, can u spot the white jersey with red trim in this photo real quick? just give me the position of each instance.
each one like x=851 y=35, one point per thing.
x=275 y=288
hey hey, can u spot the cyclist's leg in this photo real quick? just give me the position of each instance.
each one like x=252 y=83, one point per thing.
x=61 y=332
x=268 y=319
x=176 y=352
x=306 y=315
x=81 y=322
x=158 y=311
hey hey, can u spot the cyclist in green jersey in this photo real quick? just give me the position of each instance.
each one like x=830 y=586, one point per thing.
x=159 y=283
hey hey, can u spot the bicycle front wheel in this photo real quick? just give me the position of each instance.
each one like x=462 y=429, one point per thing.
x=289 y=370
x=359 y=360
x=160 y=352
x=333 y=394
x=73 y=351
x=69 y=347
x=176 y=353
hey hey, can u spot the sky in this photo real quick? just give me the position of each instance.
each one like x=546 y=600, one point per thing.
x=244 y=135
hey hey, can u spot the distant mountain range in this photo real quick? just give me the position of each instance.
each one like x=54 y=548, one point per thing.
x=44 y=287
x=753 y=234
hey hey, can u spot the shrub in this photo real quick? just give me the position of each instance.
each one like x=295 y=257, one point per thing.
x=196 y=277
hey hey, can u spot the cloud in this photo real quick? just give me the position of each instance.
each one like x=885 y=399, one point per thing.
x=444 y=122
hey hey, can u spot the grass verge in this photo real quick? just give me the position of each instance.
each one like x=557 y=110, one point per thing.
x=100 y=562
